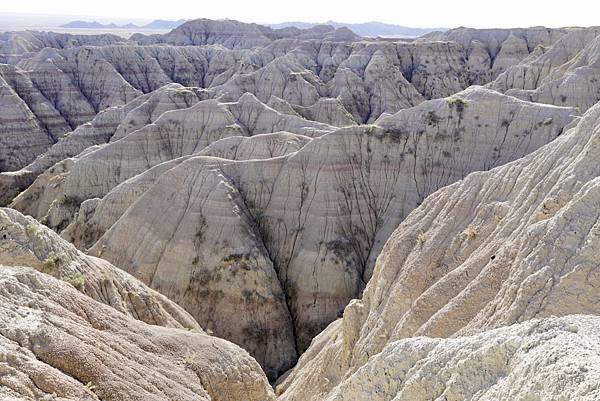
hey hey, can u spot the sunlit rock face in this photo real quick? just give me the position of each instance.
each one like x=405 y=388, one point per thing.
x=61 y=343
x=314 y=224
x=64 y=80
x=496 y=249
x=75 y=326
x=380 y=219
x=567 y=73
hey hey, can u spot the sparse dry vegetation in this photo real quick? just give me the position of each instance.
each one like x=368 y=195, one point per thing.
x=471 y=232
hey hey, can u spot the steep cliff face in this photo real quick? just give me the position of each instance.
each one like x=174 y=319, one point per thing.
x=310 y=224
x=501 y=247
x=328 y=75
x=110 y=124
x=566 y=73
x=22 y=137
x=50 y=94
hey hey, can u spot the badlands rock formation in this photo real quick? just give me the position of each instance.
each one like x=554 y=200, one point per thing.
x=174 y=134
x=25 y=242
x=328 y=75
x=110 y=124
x=540 y=359
x=501 y=247
x=256 y=181
x=567 y=73
x=310 y=224
x=96 y=216
x=57 y=343
x=15 y=44
x=238 y=35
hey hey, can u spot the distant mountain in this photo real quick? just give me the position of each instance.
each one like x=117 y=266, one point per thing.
x=367 y=29
x=84 y=24
x=164 y=24
x=157 y=24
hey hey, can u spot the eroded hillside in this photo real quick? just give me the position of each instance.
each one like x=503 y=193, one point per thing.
x=362 y=218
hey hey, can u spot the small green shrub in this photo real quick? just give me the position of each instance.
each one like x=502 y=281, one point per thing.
x=32 y=229
x=421 y=239
x=457 y=103
x=431 y=118
x=77 y=280
x=51 y=263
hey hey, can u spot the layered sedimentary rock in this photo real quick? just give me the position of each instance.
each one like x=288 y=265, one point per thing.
x=226 y=272
x=328 y=75
x=566 y=73
x=56 y=194
x=540 y=359
x=58 y=343
x=21 y=136
x=211 y=164
x=25 y=242
x=239 y=35
x=517 y=243
x=367 y=78
x=263 y=146
x=110 y=124
x=15 y=44
x=48 y=95
x=96 y=216
x=314 y=221
x=504 y=47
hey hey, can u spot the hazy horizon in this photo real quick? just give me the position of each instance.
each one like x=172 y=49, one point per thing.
x=439 y=13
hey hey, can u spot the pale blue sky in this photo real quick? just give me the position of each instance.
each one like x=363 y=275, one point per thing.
x=421 y=13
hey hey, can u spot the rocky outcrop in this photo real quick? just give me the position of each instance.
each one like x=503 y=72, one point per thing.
x=56 y=194
x=313 y=221
x=262 y=296
x=508 y=363
x=328 y=111
x=263 y=146
x=25 y=242
x=327 y=75
x=239 y=35
x=566 y=73
x=13 y=45
x=109 y=125
x=58 y=343
x=513 y=50
x=494 y=40
x=79 y=81
x=96 y=216
x=50 y=94
x=227 y=272
x=495 y=249
x=21 y=136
